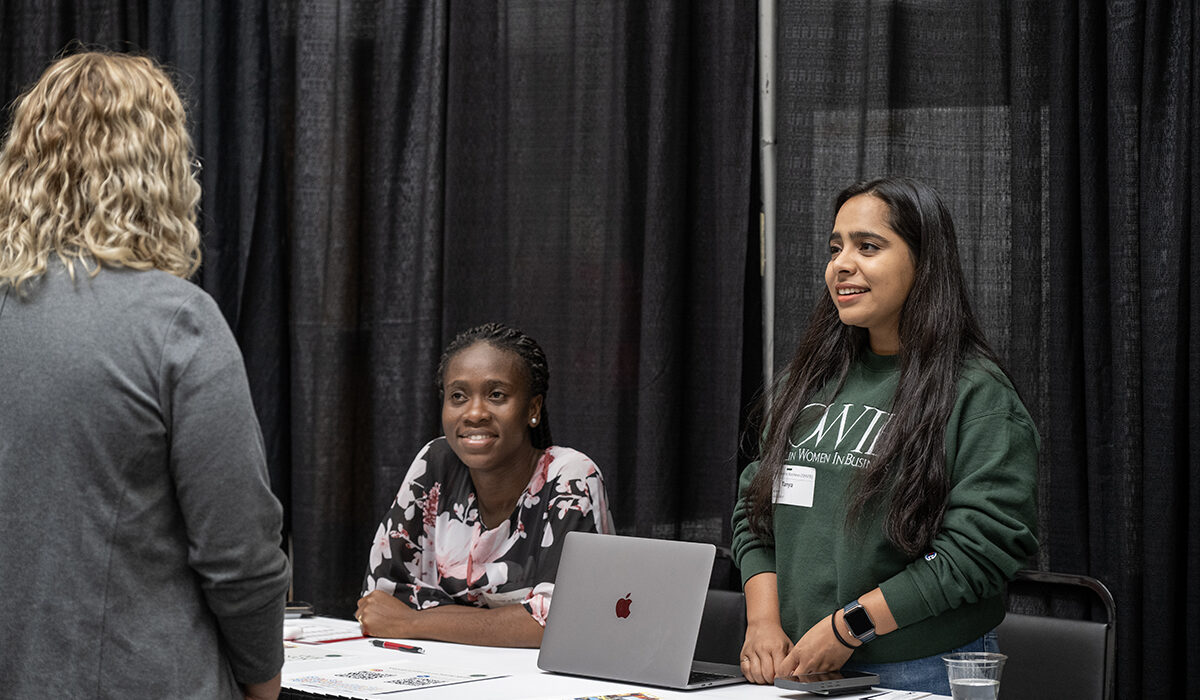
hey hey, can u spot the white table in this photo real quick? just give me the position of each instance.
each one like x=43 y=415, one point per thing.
x=523 y=680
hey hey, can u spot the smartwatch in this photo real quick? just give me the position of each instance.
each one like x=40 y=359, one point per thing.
x=859 y=621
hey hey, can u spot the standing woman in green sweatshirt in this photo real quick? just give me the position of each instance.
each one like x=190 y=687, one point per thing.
x=894 y=496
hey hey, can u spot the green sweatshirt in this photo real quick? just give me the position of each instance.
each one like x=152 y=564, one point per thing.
x=940 y=600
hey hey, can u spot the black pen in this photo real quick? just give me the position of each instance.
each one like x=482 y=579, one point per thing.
x=397 y=646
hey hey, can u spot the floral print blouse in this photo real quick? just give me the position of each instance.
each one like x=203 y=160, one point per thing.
x=433 y=549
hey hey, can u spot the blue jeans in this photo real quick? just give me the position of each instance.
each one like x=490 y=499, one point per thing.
x=927 y=674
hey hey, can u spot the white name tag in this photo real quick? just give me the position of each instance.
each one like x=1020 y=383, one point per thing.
x=796 y=486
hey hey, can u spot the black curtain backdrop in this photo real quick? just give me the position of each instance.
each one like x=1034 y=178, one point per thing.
x=379 y=176
x=1061 y=135
x=1125 y=419
x=597 y=187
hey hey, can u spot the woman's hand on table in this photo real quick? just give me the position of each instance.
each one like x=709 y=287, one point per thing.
x=383 y=615
x=764 y=650
x=818 y=650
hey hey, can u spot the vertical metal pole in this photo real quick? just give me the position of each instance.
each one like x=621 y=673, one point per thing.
x=766 y=87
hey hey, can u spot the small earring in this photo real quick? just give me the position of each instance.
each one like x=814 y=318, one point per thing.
x=533 y=421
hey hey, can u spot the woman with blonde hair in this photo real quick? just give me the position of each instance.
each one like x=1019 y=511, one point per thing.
x=141 y=552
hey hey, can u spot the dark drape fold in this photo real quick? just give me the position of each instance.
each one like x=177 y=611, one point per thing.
x=364 y=192
x=1062 y=137
x=1123 y=169
x=597 y=157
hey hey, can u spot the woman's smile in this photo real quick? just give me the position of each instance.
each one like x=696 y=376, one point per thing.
x=477 y=438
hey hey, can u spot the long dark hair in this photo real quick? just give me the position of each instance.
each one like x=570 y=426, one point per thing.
x=938 y=332
x=537 y=370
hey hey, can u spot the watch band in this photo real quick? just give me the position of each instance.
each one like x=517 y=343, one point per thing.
x=859 y=621
x=838 y=635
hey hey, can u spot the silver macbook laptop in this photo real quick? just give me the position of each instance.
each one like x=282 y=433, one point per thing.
x=629 y=609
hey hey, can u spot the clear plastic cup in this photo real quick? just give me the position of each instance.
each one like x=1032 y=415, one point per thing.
x=974 y=675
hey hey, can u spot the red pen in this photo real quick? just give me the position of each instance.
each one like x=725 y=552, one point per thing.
x=397 y=646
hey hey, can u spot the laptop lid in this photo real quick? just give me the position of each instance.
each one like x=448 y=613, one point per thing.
x=627 y=608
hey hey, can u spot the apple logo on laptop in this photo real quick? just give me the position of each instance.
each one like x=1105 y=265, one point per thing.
x=623 y=606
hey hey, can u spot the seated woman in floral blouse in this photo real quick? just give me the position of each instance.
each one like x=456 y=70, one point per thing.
x=469 y=549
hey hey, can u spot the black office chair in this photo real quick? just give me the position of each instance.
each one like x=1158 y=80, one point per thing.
x=1059 y=636
x=722 y=627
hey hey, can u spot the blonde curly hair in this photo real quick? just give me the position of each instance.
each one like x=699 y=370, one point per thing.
x=97 y=169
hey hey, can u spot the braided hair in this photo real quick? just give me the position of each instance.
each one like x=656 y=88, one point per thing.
x=537 y=370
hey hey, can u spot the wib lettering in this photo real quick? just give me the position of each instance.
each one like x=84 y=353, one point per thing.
x=849 y=429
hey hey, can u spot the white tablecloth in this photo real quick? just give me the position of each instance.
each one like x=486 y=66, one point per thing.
x=522 y=679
